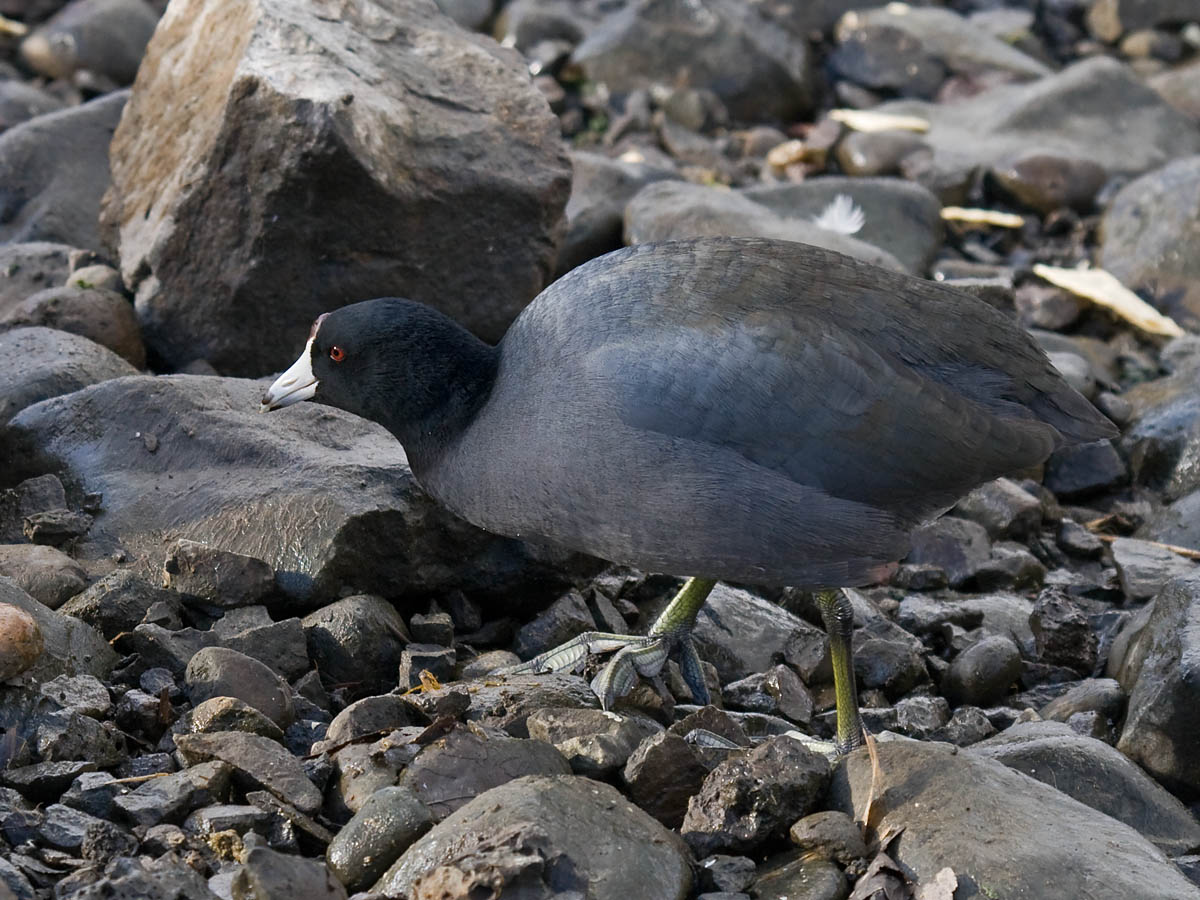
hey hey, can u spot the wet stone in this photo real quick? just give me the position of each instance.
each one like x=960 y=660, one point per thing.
x=1063 y=634
x=565 y=618
x=778 y=691
x=830 y=835
x=357 y=640
x=794 y=875
x=382 y=829
x=219 y=577
x=921 y=717
x=726 y=874
x=755 y=797
x=226 y=817
x=453 y=770
x=1003 y=508
x=170 y=798
x=435 y=628
x=981 y=674
x=968 y=725
x=417 y=658
x=662 y=774
x=257 y=762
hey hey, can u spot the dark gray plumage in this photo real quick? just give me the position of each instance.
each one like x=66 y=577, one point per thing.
x=752 y=410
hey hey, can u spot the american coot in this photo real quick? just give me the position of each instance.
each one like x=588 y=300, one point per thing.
x=761 y=411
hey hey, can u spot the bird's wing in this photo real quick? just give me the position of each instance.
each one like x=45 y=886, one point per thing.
x=804 y=398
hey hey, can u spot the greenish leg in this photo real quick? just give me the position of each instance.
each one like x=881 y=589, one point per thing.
x=838 y=615
x=670 y=635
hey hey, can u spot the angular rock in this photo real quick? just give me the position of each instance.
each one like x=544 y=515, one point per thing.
x=1097 y=775
x=281 y=645
x=662 y=774
x=452 y=771
x=226 y=817
x=921 y=717
x=1162 y=440
x=1145 y=567
x=752 y=798
x=562 y=620
x=417 y=659
x=888 y=658
x=726 y=874
x=1003 y=508
x=969 y=725
x=600 y=190
x=267 y=874
x=594 y=742
x=45 y=573
x=98 y=315
x=357 y=640
x=674 y=210
x=957 y=546
x=220 y=672
x=231 y=714
x=70 y=647
x=98 y=37
x=756 y=68
x=435 y=628
x=778 y=691
x=509 y=835
x=416 y=137
x=53 y=171
x=224 y=475
x=257 y=762
x=172 y=797
x=1069 y=113
x=1040 y=841
x=982 y=674
x=66 y=735
x=218 y=577
x=1062 y=631
x=117 y=602
x=1083 y=469
x=383 y=828
x=901 y=217
x=52 y=363
x=1164 y=701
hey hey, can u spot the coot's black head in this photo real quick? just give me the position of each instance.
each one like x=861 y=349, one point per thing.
x=397 y=362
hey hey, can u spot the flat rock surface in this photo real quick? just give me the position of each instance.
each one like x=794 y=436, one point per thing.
x=1042 y=844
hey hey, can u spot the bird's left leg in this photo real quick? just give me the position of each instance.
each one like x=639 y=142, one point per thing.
x=838 y=616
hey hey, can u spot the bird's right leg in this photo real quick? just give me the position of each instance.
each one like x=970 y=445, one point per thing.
x=838 y=616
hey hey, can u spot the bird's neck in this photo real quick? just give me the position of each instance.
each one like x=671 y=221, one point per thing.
x=456 y=380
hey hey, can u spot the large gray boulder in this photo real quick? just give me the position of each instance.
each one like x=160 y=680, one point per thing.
x=1095 y=774
x=1003 y=833
x=53 y=172
x=545 y=837
x=1096 y=110
x=52 y=363
x=323 y=159
x=326 y=498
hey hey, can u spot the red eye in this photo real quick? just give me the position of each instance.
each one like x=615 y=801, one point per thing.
x=337 y=354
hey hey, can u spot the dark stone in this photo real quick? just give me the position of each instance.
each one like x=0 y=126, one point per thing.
x=662 y=773
x=257 y=762
x=752 y=798
x=53 y=171
x=1082 y=469
x=969 y=725
x=279 y=645
x=223 y=713
x=982 y=674
x=1003 y=508
x=508 y=837
x=883 y=58
x=104 y=40
x=778 y=691
x=105 y=317
x=369 y=715
x=357 y=640
x=435 y=628
x=726 y=874
x=956 y=546
x=170 y=798
x=417 y=658
x=830 y=835
x=219 y=577
x=562 y=620
x=220 y=672
x=594 y=742
x=267 y=874
x=383 y=828
x=920 y=717
x=1062 y=631
x=452 y=771
x=1145 y=567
